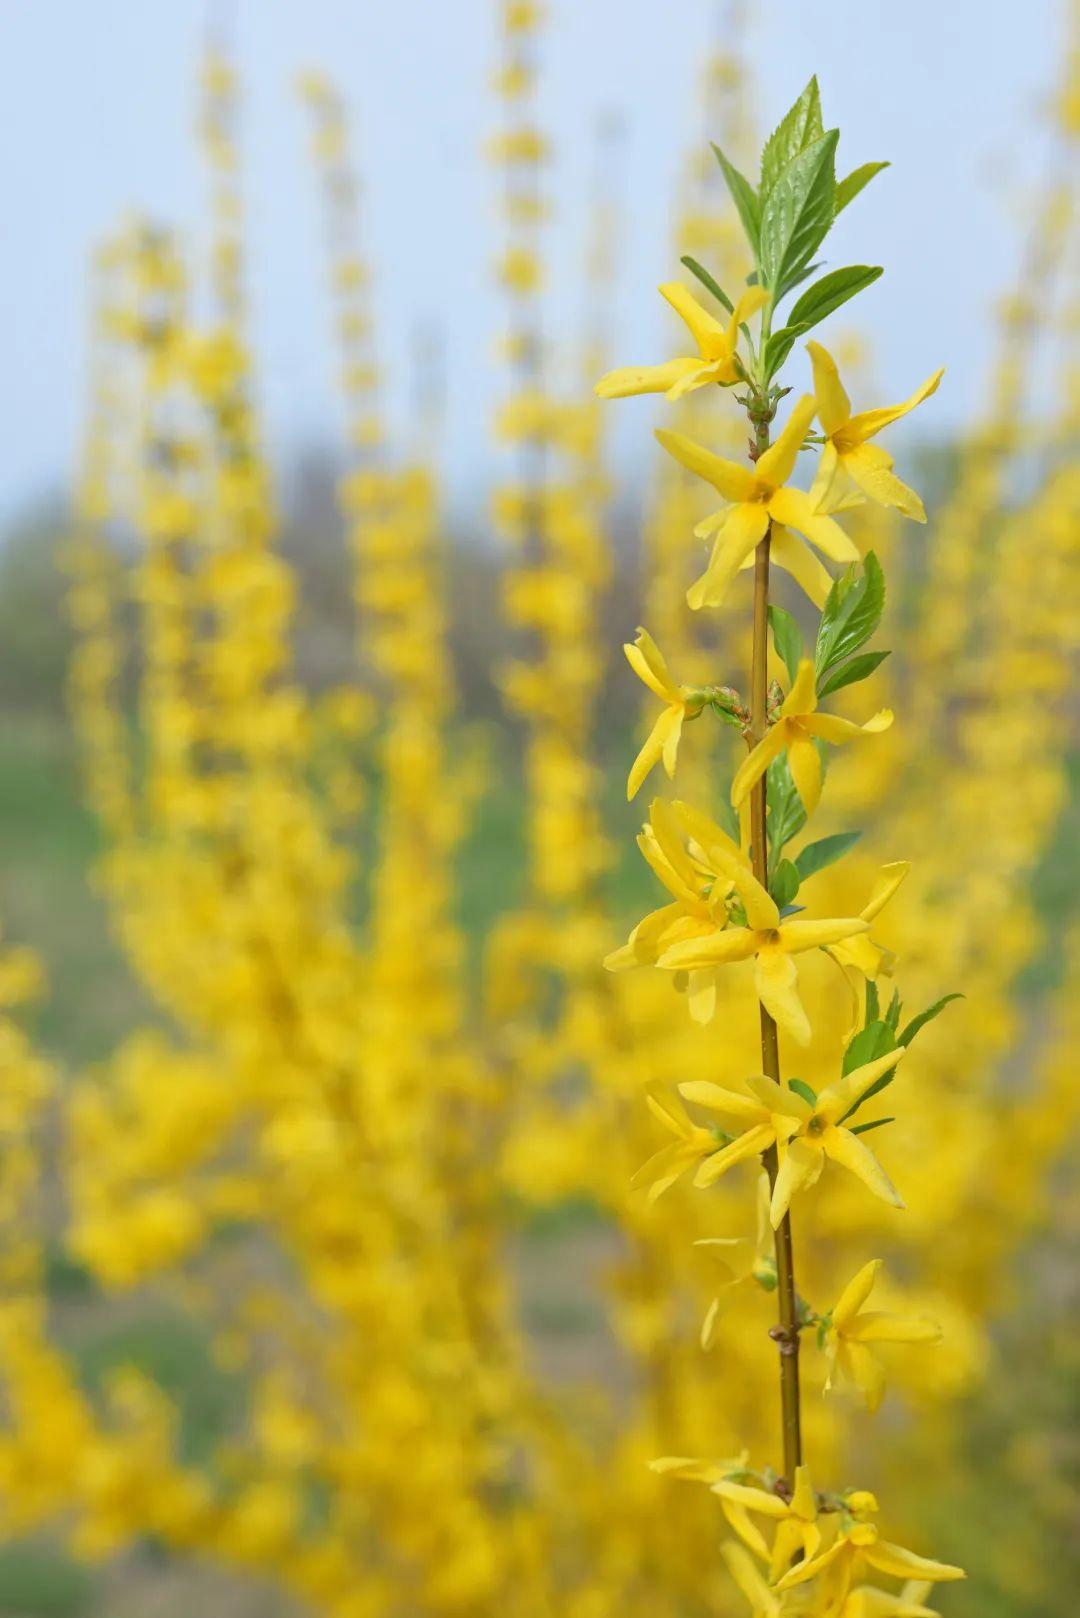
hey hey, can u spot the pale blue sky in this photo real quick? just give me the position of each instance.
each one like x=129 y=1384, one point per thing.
x=97 y=106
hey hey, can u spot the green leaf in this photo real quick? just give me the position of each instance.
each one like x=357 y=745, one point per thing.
x=873 y=1004
x=745 y=199
x=786 y=638
x=786 y=814
x=892 y=1016
x=816 y=856
x=797 y=130
x=779 y=346
x=926 y=1016
x=848 y=189
x=876 y=1123
x=851 y=614
x=831 y=291
x=859 y=668
x=798 y=212
x=707 y=281
x=785 y=883
x=875 y=1040
x=753 y=278
x=801 y=1088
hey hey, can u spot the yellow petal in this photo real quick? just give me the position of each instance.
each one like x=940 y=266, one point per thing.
x=838 y=1098
x=800 y=1168
x=879 y=1326
x=804 y=762
x=802 y=932
x=904 y=1564
x=649 y=664
x=752 y=1144
x=789 y=552
x=714 y=949
x=635 y=379
x=847 y=1149
x=747 y=304
x=742 y=1494
x=744 y=528
x=888 y=880
x=776 y=979
x=802 y=698
x=727 y=1103
x=871 y=422
x=650 y=752
x=793 y=507
x=734 y=482
x=855 y=1294
x=773 y=1096
x=833 y=404
x=871 y=469
x=704 y=327
x=755 y=764
x=831 y=728
x=860 y=1367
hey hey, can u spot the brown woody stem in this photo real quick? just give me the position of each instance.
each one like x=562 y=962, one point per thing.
x=786 y=1334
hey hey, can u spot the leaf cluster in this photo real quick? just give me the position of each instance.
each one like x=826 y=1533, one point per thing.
x=880 y=1034
x=786 y=218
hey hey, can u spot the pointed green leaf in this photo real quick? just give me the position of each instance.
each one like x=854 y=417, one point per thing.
x=798 y=212
x=797 y=130
x=831 y=291
x=786 y=638
x=816 y=856
x=926 y=1016
x=851 y=614
x=745 y=199
x=892 y=1016
x=873 y=1004
x=876 y=1123
x=785 y=884
x=874 y=1040
x=848 y=189
x=786 y=815
x=779 y=346
x=707 y=281
x=801 y=1088
x=858 y=669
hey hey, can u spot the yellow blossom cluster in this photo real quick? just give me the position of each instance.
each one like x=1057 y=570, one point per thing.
x=347 y=1160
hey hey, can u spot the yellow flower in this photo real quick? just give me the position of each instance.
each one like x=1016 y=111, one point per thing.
x=794 y=732
x=763 y=1117
x=716 y=344
x=700 y=890
x=858 y=1544
x=648 y=663
x=788 y=551
x=851 y=1329
x=797 y=1530
x=860 y=957
x=766 y=939
x=847 y=449
x=821 y=1134
x=757 y=497
x=692 y=1143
